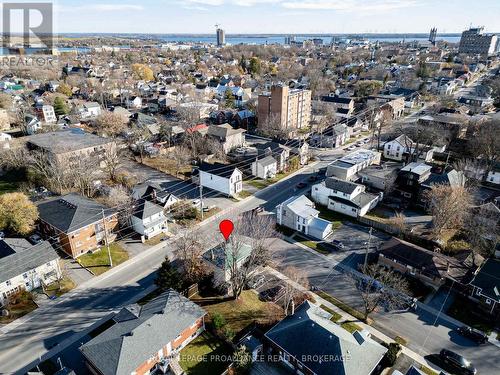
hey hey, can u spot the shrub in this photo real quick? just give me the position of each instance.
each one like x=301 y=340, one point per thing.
x=229 y=333
x=218 y=321
x=392 y=354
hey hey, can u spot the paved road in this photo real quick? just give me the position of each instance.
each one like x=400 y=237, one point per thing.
x=51 y=325
x=418 y=327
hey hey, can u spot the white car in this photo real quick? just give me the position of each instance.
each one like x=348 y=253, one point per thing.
x=351 y=148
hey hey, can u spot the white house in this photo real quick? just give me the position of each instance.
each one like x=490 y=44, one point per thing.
x=47 y=114
x=298 y=213
x=348 y=166
x=134 y=102
x=400 y=147
x=32 y=124
x=148 y=219
x=223 y=178
x=345 y=197
x=265 y=168
x=89 y=110
x=223 y=258
x=24 y=266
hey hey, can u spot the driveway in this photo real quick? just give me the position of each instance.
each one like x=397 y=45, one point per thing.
x=77 y=273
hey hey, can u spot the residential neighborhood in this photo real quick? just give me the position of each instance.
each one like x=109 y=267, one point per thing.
x=250 y=203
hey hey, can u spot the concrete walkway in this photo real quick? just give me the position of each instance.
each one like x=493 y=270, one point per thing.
x=347 y=317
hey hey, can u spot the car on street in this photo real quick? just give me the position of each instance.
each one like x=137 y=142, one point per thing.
x=301 y=185
x=473 y=334
x=338 y=244
x=256 y=282
x=351 y=148
x=457 y=363
x=35 y=239
x=272 y=294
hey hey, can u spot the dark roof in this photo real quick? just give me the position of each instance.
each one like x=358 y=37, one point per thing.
x=218 y=169
x=488 y=279
x=18 y=256
x=426 y=261
x=309 y=334
x=340 y=185
x=336 y=99
x=139 y=332
x=72 y=212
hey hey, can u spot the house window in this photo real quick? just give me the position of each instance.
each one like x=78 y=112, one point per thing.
x=488 y=301
x=8 y=283
x=388 y=147
x=478 y=292
x=25 y=275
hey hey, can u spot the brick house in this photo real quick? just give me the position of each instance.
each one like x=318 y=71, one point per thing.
x=145 y=338
x=78 y=223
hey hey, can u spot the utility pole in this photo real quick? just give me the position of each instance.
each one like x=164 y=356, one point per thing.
x=201 y=197
x=367 y=248
x=106 y=238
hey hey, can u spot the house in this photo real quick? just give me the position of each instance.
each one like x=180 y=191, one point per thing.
x=345 y=197
x=134 y=102
x=228 y=137
x=411 y=97
x=395 y=104
x=225 y=258
x=153 y=192
x=451 y=178
x=146 y=338
x=24 y=266
x=89 y=110
x=409 y=179
x=300 y=149
x=486 y=286
x=199 y=109
x=32 y=124
x=80 y=224
x=347 y=167
x=310 y=343
x=68 y=145
x=402 y=147
x=279 y=152
x=45 y=113
x=223 y=178
x=5 y=140
x=148 y=219
x=265 y=167
x=344 y=106
x=493 y=176
x=429 y=267
x=380 y=177
x=298 y=213
x=333 y=137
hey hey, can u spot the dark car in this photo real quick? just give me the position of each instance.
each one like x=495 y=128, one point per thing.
x=455 y=361
x=313 y=178
x=473 y=334
x=338 y=244
x=301 y=185
x=272 y=294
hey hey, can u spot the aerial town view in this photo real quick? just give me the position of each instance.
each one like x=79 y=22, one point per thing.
x=250 y=187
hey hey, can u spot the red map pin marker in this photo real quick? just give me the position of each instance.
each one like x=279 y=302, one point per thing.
x=226 y=228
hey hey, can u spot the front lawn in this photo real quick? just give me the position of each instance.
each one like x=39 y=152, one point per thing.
x=60 y=287
x=335 y=315
x=242 y=312
x=244 y=194
x=20 y=304
x=341 y=305
x=205 y=355
x=258 y=183
x=98 y=261
x=351 y=327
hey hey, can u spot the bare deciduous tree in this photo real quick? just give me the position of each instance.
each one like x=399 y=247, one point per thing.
x=112 y=161
x=292 y=294
x=110 y=123
x=189 y=247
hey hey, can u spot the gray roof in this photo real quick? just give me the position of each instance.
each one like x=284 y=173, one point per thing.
x=66 y=141
x=223 y=131
x=340 y=185
x=309 y=333
x=139 y=332
x=18 y=256
x=72 y=212
x=417 y=168
x=301 y=206
x=268 y=160
x=145 y=209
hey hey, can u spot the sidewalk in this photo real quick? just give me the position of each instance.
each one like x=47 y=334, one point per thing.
x=346 y=317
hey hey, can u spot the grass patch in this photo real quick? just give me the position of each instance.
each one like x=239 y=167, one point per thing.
x=10 y=181
x=202 y=355
x=258 y=183
x=244 y=194
x=400 y=340
x=351 y=327
x=426 y=370
x=239 y=313
x=20 y=305
x=60 y=287
x=311 y=244
x=341 y=305
x=168 y=166
x=467 y=312
x=156 y=239
x=98 y=262
x=335 y=315
x=334 y=217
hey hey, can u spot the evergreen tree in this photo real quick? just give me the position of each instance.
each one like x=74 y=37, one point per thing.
x=168 y=277
x=60 y=106
x=229 y=98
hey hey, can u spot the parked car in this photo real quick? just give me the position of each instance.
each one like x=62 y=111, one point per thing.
x=256 y=282
x=272 y=294
x=473 y=334
x=338 y=244
x=35 y=239
x=313 y=178
x=351 y=148
x=455 y=361
x=301 y=185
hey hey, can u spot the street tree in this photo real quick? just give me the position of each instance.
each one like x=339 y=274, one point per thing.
x=168 y=277
x=17 y=213
x=112 y=161
x=380 y=287
x=188 y=248
x=60 y=107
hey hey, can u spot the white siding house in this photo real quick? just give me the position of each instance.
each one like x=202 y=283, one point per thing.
x=265 y=168
x=223 y=178
x=148 y=219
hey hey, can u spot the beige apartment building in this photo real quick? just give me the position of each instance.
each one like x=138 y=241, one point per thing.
x=283 y=110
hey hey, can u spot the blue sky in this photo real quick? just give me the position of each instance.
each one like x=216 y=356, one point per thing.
x=275 y=16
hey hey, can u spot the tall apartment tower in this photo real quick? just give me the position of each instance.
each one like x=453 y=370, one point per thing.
x=473 y=41
x=221 y=36
x=432 y=36
x=284 y=110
